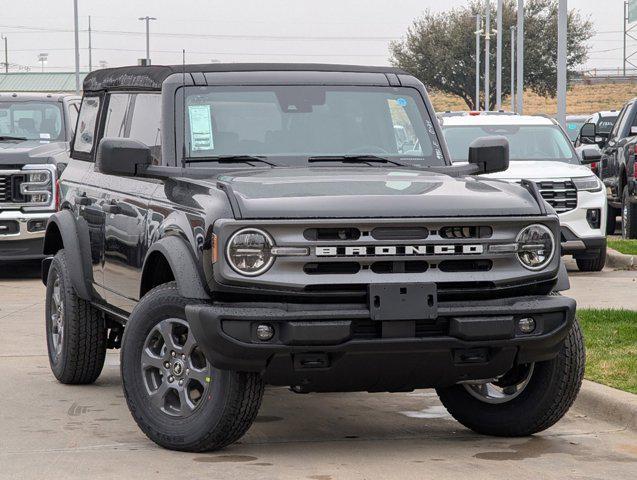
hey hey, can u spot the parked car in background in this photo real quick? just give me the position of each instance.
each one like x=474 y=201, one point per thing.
x=35 y=131
x=574 y=124
x=618 y=166
x=540 y=151
x=604 y=123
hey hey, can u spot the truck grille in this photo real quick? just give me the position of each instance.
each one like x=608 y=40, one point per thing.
x=561 y=195
x=5 y=188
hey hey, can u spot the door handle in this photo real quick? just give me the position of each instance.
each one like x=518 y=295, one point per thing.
x=82 y=199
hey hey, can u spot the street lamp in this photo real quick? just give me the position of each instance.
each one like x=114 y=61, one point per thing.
x=147 y=19
x=6 y=54
x=42 y=58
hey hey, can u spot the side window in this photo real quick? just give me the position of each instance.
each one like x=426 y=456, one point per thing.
x=115 y=123
x=145 y=122
x=86 y=126
x=626 y=118
x=73 y=114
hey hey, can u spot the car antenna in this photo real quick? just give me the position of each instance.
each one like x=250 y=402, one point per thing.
x=183 y=83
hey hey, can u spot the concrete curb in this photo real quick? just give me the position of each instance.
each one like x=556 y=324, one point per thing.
x=620 y=261
x=608 y=404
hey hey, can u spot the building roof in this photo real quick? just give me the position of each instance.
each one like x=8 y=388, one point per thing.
x=496 y=120
x=152 y=77
x=48 y=82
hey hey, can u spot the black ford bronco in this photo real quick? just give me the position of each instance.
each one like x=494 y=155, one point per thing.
x=232 y=226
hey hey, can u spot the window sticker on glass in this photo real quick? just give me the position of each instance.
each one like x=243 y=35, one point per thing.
x=201 y=137
x=401 y=102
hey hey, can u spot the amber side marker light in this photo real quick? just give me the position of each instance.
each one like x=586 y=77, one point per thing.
x=215 y=250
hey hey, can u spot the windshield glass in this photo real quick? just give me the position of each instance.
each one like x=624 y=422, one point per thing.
x=573 y=128
x=526 y=142
x=31 y=120
x=310 y=121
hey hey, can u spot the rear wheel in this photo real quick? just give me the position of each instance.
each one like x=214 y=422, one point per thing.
x=75 y=330
x=528 y=399
x=611 y=220
x=177 y=398
x=629 y=216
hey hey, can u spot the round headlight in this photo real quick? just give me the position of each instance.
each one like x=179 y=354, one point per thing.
x=536 y=247
x=249 y=251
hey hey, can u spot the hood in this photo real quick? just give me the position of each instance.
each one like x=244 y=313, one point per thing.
x=29 y=151
x=541 y=170
x=370 y=192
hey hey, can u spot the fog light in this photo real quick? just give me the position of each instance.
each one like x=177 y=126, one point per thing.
x=36 y=225
x=526 y=325
x=593 y=217
x=265 y=332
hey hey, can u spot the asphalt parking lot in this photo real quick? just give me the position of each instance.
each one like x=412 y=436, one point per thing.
x=49 y=430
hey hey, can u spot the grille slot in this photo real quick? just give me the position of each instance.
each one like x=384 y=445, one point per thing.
x=465 y=265
x=466 y=232
x=367 y=329
x=9 y=227
x=329 y=268
x=415 y=266
x=315 y=234
x=5 y=188
x=561 y=195
x=397 y=233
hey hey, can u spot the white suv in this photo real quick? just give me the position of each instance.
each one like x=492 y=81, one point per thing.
x=541 y=151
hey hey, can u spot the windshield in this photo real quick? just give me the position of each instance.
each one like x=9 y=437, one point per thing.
x=310 y=121
x=573 y=128
x=31 y=120
x=526 y=142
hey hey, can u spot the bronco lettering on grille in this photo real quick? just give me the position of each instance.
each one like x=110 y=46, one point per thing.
x=398 y=250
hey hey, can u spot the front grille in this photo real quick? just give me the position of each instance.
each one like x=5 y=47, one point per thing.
x=561 y=195
x=369 y=329
x=5 y=188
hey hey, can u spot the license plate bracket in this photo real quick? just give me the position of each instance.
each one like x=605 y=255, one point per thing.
x=403 y=301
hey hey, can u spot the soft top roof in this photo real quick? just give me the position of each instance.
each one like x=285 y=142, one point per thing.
x=152 y=77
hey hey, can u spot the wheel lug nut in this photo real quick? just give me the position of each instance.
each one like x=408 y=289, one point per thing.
x=167 y=364
x=187 y=371
x=171 y=379
x=181 y=383
x=173 y=354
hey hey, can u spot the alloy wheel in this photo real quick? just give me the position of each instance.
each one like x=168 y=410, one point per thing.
x=504 y=389
x=175 y=372
x=56 y=318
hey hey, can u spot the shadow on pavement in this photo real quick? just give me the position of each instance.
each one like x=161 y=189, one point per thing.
x=26 y=269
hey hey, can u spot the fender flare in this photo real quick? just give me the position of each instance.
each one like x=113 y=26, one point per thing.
x=187 y=276
x=77 y=248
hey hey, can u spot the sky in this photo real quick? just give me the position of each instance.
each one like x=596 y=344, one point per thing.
x=330 y=31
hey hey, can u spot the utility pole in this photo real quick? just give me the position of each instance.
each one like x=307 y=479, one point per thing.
x=487 y=60
x=562 y=34
x=520 y=60
x=147 y=19
x=6 y=54
x=90 y=47
x=625 y=33
x=513 y=68
x=498 y=68
x=478 y=32
x=77 y=48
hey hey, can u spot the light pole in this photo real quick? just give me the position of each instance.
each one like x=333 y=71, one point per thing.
x=147 y=19
x=562 y=35
x=77 y=48
x=498 y=68
x=90 y=46
x=42 y=58
x=520 y=61
x=6 y=53
x=513 y=68
x=487 y=60
x=478 y=33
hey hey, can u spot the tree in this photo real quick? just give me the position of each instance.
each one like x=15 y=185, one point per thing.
x=439 y=48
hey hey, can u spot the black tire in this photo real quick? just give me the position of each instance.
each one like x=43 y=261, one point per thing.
x=78 y=358
x=629 y=216
x=611 y=220
x=226 y=408
x=551 y=391
x=593 y=264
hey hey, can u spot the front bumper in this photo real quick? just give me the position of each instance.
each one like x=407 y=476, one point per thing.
x=22 y=234
x=339 y=348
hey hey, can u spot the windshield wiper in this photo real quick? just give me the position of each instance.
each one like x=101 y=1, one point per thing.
x=9 y=137
x=354 y=159
x=231 y=159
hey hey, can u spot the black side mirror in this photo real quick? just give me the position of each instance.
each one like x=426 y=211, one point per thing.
x=590 y=155
x=122 y=156
x=588 y=133
x=490 y=154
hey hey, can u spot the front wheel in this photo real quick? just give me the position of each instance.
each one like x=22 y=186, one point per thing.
x=177 y=398
x=528 y=399
x=593 y=264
